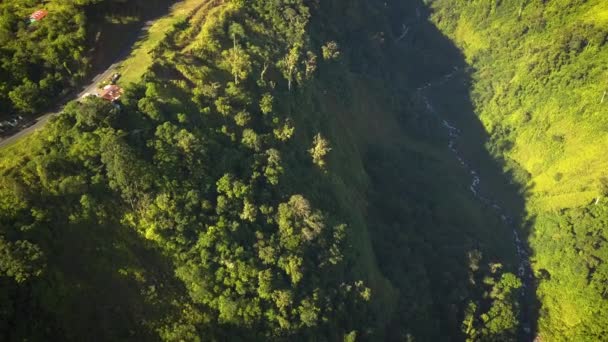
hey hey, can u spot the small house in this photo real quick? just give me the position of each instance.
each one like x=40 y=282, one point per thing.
x=111 y=93
x=38 y=15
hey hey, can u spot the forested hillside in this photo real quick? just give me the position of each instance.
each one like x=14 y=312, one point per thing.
x=271 y=176
x=539 y=88
x=282 y=171
x=47 y=58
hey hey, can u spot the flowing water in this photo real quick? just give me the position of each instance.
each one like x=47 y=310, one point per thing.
x=524 y=270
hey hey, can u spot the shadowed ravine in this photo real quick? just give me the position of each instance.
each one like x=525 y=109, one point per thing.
x=524 y=268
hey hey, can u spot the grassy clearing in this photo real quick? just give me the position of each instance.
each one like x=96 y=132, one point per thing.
x=140 y=60
x=14 y=153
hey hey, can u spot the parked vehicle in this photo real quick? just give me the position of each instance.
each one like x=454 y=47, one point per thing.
x=114 y=78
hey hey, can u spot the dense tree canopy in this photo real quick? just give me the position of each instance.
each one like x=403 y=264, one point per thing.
x=269 y=178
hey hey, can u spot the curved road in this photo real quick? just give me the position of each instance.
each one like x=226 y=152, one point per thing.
x=90 y=88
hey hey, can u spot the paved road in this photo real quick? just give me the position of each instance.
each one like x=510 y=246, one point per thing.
x=90 y=88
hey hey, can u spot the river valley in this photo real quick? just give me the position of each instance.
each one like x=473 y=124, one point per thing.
x=524 y=269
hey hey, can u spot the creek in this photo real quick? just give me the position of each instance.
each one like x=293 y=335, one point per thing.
x=524 y=268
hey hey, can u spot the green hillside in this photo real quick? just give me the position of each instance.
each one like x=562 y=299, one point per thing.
x=538 y=86
x=313 y=171
x=271 y=176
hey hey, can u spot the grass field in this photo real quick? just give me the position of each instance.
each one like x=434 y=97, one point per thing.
x=133 y=68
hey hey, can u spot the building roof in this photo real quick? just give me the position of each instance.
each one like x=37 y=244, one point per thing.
x=39 y=15
x=111 y=92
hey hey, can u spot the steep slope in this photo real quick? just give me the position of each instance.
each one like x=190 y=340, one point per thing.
x=538 y=87
x=275 y=175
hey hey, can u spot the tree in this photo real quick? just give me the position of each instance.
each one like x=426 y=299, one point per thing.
x=320 y=148
x=241 y=64
x=92 y=113
x=222 y=104
x=273 y=169
x=298 y=222
x=20 y=260
x=26 y=97
x=249 y=212
x=236 y=59
x=468 y=323
x=501 y=321
x=236 y=31
x=242 y=118
x=311 y=64
x=289 y=64
x=309 y=312
x=331 y=51
x=126 y=173
x=251 y=139
x=150 y=107
x=351 y=336
x=284 y=132
x=266 y=103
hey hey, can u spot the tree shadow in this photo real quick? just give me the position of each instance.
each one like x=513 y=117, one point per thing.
x=114 y=39
x=101 y=282
x=439 y=200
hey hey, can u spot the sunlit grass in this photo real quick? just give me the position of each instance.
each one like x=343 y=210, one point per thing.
x=548 y=98
x=598 y=14
x=134 y=67
x=12 y=154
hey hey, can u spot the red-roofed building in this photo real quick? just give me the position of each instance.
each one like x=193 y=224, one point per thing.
x=38 y=15
x=111 y=93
